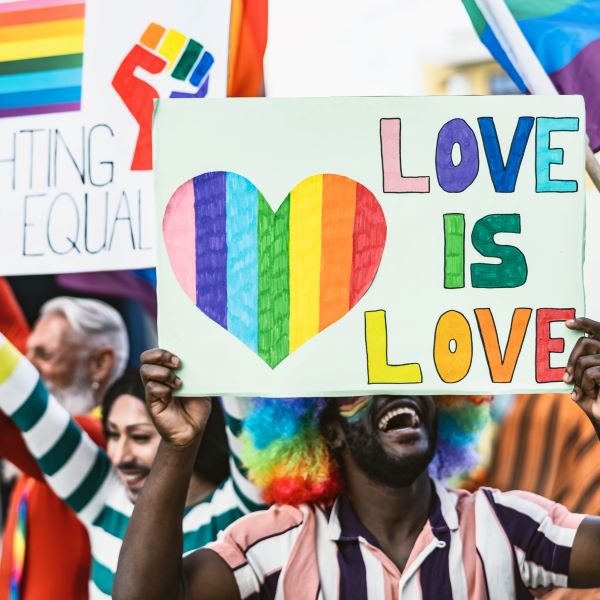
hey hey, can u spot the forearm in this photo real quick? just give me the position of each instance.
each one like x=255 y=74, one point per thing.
x=74 y=467
x=150 y=562
x=14 y=450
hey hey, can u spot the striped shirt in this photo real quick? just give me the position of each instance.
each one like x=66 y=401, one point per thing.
x=486 y=545
x=81 y=474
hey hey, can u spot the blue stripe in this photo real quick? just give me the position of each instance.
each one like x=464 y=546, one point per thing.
x=492 y=44
x=242 y=259
x=102 y=577
x=558 y=38
x=40 y=97
x=86 y=490
x=555 y=39
x=32 y=410
x=208 y=533
x=40 y=80
x=62 y=450
x=206 y=62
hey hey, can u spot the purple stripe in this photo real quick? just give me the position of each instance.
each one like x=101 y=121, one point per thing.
x=434 y=574
x=353 y=573
x=522 y=531
x=582 y=76
x=211 y=245
x=269 y=585
x=351 y=527
x=38 y=110
x=116 y=284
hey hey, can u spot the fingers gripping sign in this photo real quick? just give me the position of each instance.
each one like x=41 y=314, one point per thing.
x=180 y=421
x=583 y=367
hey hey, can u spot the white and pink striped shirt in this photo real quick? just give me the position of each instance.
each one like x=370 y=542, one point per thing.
x=486 y=545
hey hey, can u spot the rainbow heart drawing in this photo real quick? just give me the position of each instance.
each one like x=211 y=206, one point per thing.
x=276 y=279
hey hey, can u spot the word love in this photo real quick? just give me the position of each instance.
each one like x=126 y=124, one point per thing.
x=455 y=177
x=453 y=347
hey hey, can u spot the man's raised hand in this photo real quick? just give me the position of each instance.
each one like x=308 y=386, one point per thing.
x=583 y=367
x=179 y=420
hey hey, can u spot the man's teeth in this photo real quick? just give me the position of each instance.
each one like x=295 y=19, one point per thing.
x=383 y=422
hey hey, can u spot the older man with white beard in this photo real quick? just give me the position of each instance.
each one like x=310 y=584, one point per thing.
x=80 y=347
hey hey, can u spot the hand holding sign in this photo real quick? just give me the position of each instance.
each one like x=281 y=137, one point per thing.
x=180 y=421
x=583 y=368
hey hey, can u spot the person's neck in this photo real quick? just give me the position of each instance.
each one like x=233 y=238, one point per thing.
x=198 y=490
x=395 y=516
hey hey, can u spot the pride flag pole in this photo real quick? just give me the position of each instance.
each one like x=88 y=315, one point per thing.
x=523 y=58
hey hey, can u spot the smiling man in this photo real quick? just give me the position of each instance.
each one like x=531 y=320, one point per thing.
x=386 y=530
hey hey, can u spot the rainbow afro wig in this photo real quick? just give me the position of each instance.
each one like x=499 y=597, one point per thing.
x=289 y=460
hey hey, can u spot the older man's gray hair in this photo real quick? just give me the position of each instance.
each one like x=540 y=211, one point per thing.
x=98 y=325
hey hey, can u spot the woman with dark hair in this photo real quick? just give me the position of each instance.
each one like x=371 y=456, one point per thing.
x=132 y=439
x=102 y=487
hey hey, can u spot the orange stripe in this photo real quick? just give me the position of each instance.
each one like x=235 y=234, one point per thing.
x=59 y=13
x=152 y=35
x=36 y=31
x=337 y=226
x=248 y=39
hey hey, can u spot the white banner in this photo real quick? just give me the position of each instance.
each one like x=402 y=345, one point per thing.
x=77 y=83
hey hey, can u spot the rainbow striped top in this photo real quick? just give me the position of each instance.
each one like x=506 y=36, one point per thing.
x=81 y=473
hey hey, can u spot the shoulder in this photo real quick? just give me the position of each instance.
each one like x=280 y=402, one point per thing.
x=281 y=522
x=517 y=509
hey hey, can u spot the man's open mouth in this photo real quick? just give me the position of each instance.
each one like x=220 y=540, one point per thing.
x=399 y=418
x=133 y=478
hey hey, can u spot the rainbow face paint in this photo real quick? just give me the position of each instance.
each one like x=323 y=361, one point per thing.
x=352 y=408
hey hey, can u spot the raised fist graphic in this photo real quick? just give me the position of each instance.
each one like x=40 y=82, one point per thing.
x=168 y=59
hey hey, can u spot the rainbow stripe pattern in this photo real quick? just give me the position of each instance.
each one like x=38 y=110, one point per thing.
x=41 y=56
x=274 y=279
x=565 y=36
x=19 y=543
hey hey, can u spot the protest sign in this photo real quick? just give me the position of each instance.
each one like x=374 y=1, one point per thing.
x=77 y=83
x=366 y=245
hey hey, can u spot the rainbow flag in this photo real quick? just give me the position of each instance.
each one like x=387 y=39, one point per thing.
x=563 y=34
x=247 y=42
x=41 y=56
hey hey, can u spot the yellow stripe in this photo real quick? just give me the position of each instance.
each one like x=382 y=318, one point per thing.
x=305 y=259
x=34 y=31
x=9 y=359
x=72 y=44
x=172 y=46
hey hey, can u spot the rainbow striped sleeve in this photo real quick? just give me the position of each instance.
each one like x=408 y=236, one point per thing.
x=75 y=468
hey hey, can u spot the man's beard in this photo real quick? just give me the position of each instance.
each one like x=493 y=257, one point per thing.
x=381 y=467
x=77 y=398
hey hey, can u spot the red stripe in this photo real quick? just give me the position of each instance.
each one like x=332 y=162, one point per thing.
x=368 y=241
x=37 y=15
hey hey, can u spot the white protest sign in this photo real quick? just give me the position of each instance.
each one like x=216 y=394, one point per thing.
x=77 y=83
x=367 y=245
